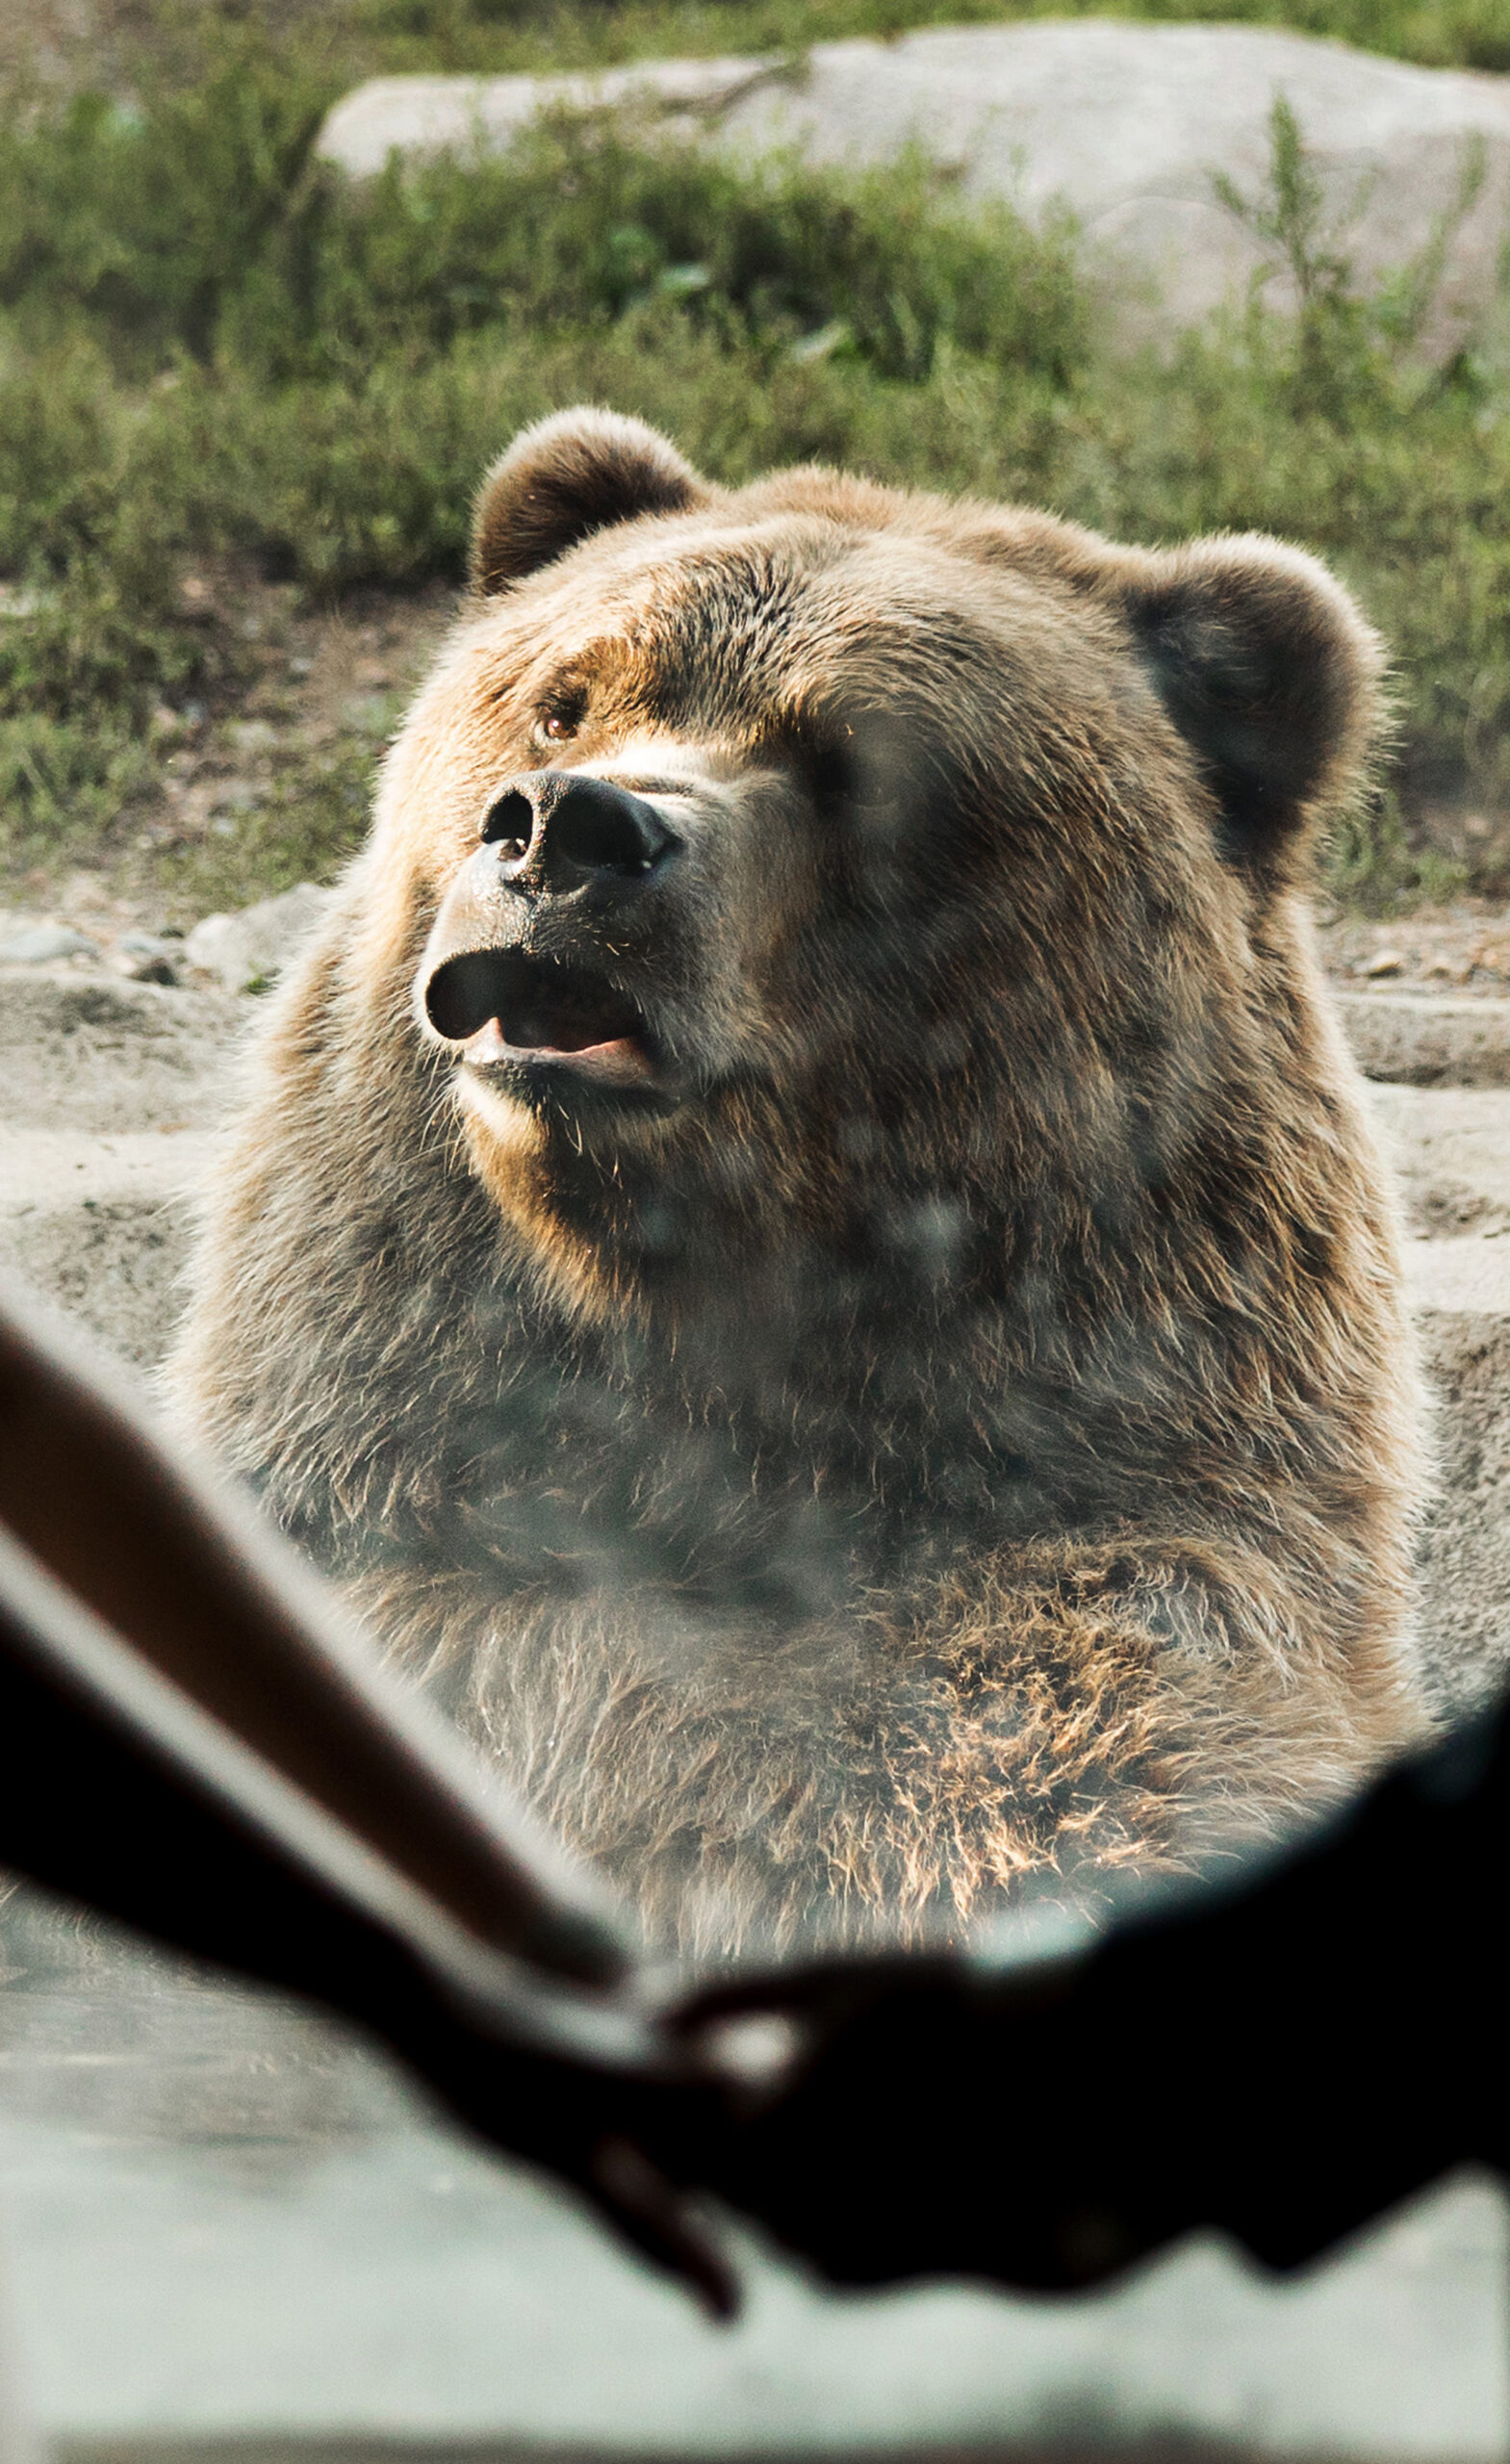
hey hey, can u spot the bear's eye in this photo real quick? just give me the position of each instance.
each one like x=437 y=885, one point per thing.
x=861 y=769
x=828 y=770
x=560 y=718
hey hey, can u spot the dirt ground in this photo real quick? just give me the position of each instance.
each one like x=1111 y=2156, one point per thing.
x=265 y=783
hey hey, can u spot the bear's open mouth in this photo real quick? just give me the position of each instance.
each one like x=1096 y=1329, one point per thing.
x=502 y=1006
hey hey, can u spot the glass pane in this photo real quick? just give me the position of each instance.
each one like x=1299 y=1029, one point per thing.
x=221 y=2219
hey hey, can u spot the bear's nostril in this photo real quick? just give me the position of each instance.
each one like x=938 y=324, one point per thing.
x=509 y=825
x=550 y=834
x=598 y=828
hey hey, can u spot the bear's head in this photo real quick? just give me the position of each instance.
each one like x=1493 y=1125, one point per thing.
x=825 y=874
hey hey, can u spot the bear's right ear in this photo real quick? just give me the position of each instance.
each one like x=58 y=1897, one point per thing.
x=1271 y=675
x=566 y=476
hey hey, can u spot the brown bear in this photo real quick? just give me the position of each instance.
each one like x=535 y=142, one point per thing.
x=802 y=1239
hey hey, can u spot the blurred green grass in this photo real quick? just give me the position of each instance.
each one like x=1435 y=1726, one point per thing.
x=343 y=40
x=212 y=344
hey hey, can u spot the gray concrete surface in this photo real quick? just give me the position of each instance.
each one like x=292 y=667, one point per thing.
x=1418 y=1038
x=224 y=2222
x=1124 y=123
x=1450 y=1149
x=108 y=1095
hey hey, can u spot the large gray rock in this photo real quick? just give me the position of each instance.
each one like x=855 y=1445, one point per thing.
x=1127 y=124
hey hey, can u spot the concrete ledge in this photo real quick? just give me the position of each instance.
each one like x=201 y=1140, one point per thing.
x=1468 y=1277
x=1428 y=1039
x=1465 y=1608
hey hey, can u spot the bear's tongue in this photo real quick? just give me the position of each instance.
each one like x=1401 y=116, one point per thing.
x=499 y=1001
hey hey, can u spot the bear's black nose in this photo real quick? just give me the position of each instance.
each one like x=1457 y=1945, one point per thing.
x=555 y=832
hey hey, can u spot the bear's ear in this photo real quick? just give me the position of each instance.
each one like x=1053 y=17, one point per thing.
x=576 y=473
x=1271 y=675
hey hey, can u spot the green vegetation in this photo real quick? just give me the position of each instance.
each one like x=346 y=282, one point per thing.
x=340 y=40
x=498 y=33
x=214 y=351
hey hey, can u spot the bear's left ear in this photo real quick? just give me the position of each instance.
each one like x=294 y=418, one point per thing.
x=569 y=476
x=1271 y=675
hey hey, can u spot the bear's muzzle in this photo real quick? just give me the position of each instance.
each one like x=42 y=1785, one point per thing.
x=507 y=975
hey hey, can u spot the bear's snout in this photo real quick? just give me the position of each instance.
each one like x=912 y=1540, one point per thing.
x=524 y=966
x=513 y=973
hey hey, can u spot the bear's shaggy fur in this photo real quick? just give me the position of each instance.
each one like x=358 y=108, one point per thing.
x=837 y=1300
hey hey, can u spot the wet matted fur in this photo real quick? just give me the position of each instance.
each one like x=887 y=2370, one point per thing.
x=921 y=1406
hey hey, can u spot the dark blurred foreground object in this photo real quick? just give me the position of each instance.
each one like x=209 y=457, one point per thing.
x=118 y=1789
x=218 y=1603
x=1281 y=2058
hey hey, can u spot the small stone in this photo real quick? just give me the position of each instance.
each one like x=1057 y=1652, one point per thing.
x=251 y=736
x=1384 y=963
x=43 y=943
x=245 y=951
x=146 y=958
